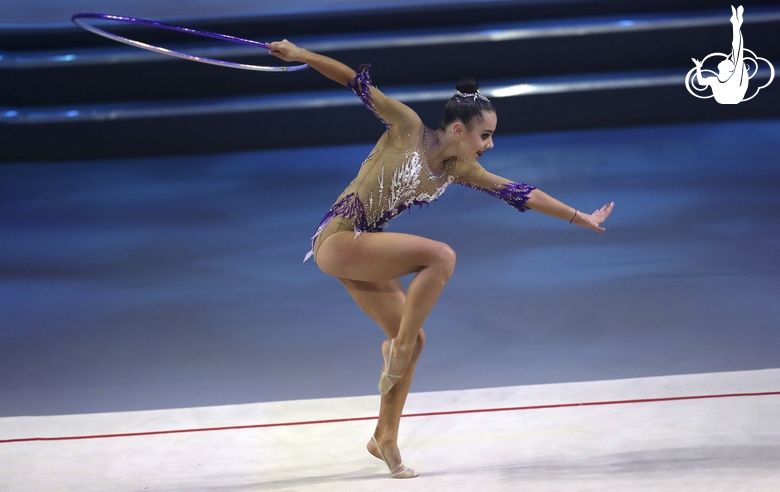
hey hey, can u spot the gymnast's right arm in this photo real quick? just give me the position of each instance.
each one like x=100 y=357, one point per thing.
x=333 y=69
x=393 y=114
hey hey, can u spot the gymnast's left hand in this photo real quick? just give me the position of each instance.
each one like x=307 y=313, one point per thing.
x=285 y=50
x=593 y=221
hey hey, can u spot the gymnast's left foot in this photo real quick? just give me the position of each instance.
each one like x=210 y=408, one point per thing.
x=393 y=455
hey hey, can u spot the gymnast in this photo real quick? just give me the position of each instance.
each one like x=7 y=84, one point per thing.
x=410 y=165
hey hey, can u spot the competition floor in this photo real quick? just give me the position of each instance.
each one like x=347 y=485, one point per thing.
x=161 y=286
x=722 y=435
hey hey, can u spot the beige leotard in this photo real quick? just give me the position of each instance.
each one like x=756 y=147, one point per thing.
x=396 y=176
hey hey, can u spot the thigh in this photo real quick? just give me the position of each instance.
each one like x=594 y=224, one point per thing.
x=379 y=256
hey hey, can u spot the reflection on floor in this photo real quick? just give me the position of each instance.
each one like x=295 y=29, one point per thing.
x=640 y=434
x=177 y=282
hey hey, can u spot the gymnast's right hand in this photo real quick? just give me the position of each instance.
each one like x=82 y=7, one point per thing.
x=285 y=50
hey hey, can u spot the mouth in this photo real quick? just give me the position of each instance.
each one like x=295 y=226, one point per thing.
x=479 y=153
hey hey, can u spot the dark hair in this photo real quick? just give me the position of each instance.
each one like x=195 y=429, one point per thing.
x=466 y=106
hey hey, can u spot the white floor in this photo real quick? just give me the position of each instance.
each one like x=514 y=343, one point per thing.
x=730 y=442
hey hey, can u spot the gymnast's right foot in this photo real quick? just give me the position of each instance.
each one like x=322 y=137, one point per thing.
x=392 y=456
x=393 y=369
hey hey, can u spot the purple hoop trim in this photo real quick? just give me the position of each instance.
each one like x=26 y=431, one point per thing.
x=202 y=59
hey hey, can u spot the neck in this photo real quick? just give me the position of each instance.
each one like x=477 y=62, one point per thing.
x=442 y=148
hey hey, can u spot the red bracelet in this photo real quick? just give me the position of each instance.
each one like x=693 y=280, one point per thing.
x=575 y=216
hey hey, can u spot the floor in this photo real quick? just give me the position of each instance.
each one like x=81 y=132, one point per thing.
x=713 y=432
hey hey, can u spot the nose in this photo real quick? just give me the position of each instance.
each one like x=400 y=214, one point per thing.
x=490 y=143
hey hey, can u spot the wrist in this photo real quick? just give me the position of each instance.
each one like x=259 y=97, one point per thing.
x=304 y=56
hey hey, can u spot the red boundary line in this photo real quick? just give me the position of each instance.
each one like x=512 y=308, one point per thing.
x=424 y=414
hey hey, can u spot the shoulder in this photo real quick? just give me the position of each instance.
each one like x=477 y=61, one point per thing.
x=464 y=171
x=399 y=113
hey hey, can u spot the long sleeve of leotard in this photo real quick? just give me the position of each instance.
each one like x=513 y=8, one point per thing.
x=398 y=118
x=473 y=175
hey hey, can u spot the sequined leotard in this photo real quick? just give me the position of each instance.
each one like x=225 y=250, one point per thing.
x=395 y=176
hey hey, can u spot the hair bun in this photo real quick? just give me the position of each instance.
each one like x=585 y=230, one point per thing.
x=467 y=86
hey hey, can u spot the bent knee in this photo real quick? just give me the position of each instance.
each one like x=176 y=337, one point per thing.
x=446 y=258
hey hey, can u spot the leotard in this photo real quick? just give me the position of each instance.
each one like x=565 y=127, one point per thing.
x=395 y=176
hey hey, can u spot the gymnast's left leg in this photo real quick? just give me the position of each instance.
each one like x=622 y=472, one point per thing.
x=383 y=302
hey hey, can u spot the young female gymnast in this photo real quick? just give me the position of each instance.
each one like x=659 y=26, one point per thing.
x=409 y=165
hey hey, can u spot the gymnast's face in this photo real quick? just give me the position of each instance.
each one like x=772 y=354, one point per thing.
x=477 y=140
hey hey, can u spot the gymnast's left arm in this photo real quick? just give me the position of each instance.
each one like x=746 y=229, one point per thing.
x=544 y=203
x=526 y=197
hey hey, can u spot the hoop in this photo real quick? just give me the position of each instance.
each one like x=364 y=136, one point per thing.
x=202 y=59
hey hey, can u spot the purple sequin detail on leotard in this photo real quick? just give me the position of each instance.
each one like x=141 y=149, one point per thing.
x=350 y=207
x=389 y=215
x=515 y=194
x=361 y=86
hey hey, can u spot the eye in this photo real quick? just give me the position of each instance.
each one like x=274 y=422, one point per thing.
x=485 y=136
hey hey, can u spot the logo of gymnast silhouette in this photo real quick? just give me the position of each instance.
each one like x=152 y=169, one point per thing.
x=730 y=84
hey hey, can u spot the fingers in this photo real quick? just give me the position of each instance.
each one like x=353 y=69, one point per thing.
x=599 y=216
x=605 y=210
x=273 y=48
x=277 y=46
x=283 y=42
x=281 y=49
x=593 y=221
x=596 y=226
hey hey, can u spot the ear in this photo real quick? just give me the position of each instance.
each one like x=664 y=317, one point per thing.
x=458 y=128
